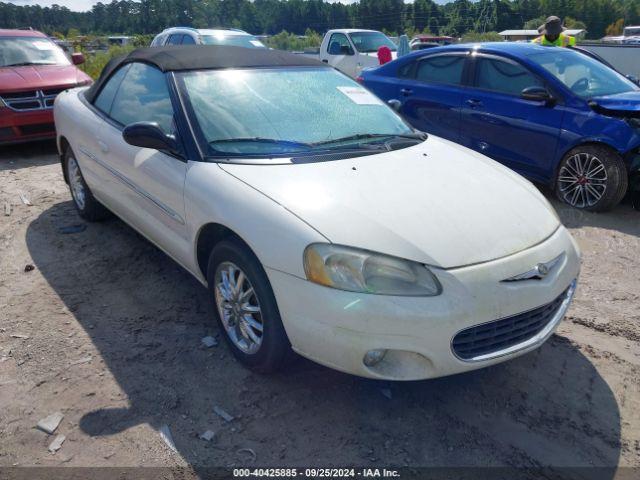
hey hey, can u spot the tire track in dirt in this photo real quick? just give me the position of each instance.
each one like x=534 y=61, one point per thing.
x=608 y=328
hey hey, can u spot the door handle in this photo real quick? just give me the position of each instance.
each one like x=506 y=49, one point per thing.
x=472 y=102
x=406 y=91
x=104 y=148
x=325 y=60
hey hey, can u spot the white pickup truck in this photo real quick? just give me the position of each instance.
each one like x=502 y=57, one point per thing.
x=350 y=50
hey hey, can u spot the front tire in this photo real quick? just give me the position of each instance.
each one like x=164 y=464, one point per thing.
x=88 y=207
x=246 y=308
x=592 y=177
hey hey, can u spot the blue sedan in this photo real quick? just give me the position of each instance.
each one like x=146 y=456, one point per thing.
x=557 y=116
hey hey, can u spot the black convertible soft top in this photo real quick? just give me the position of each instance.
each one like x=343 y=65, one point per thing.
x=203 y=57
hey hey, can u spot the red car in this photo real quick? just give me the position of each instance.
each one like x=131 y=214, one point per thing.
x=33 y=71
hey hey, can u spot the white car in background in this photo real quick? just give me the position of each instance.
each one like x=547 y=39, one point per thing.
x=351 y=50
x=217 y=36
x=317 y=218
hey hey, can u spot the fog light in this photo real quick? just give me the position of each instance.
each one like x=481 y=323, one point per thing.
x=373 y=357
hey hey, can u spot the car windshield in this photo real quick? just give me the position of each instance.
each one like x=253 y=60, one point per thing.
x=368 y=42
x=23 y=51
x=247 y=41
x=279 y=112
x=583 y=75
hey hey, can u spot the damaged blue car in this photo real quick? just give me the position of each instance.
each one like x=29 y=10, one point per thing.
x=556 y=116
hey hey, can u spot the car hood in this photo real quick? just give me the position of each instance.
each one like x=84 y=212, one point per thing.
x=628 y=102
x=394 y=55
x=437 y=203
x=14 y=79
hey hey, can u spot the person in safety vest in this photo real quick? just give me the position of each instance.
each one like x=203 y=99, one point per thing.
x=553 y=34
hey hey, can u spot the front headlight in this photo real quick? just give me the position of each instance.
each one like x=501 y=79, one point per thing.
x=355 y=270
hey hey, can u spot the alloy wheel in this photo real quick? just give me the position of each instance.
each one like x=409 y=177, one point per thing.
x=582 y=180
x=238 y=307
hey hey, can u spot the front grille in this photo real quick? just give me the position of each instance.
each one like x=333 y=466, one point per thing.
x=25 y=104
x=18 y=95
x=31 y=100
x=500 y=334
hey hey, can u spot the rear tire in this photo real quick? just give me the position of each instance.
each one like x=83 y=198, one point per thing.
x=246 y=308
x=88 y=207
x=592 y=177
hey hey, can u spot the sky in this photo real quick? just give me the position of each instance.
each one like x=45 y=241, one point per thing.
x=82 y=5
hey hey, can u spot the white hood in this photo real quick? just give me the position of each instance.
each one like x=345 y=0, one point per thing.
x=450 y=208
x=394 y=55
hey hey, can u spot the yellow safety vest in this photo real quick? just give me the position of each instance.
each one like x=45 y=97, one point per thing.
x=562 y=41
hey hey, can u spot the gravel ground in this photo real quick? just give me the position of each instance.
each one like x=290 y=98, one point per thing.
x=106 y=329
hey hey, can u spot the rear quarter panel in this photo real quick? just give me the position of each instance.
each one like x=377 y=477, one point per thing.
x=79 y=126
x=382 y=83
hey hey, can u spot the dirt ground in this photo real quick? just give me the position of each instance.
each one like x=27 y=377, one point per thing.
x=107 y=330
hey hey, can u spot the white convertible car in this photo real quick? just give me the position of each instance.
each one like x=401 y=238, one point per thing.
x=318 y=219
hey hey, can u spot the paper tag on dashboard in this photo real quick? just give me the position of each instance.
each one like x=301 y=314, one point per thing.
x=256 y=43
x=360 y=96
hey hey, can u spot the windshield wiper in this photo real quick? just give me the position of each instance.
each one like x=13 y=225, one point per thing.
x=261 y=140
x=364 y=136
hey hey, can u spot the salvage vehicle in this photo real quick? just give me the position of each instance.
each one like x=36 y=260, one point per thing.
x=208 y=36
x=344 y=240
x=33 y=71
x=556 y=116
x=351 y=50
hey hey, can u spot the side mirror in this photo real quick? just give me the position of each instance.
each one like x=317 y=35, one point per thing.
x=537 y=94
x=395 y=104
x=149 y=135
x=77 y=58
x=346 y=50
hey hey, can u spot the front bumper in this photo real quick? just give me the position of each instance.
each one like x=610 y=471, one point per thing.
x=337 y=328
x=19 y=127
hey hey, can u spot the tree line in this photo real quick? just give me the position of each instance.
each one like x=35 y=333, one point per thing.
x=455 y=18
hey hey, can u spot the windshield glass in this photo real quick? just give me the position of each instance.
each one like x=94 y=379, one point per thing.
x=275 y=112
x=247 y=41
x=368 y=42
x=19 y=51
x=583 y=75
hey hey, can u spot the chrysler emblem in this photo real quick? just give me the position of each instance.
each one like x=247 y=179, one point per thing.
x=543 y=270
x=538 y=272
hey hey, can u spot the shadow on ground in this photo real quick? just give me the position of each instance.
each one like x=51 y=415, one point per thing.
x=146 y=317
x=623 y=218
x=24 y=155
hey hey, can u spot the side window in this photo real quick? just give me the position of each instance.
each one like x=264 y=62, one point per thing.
x=406 y=71
x=441 y=69
x=188 y=40
x=175 y=39
x=503 y=77
x=105 y=98
x=339 y=45
x=143 y=97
